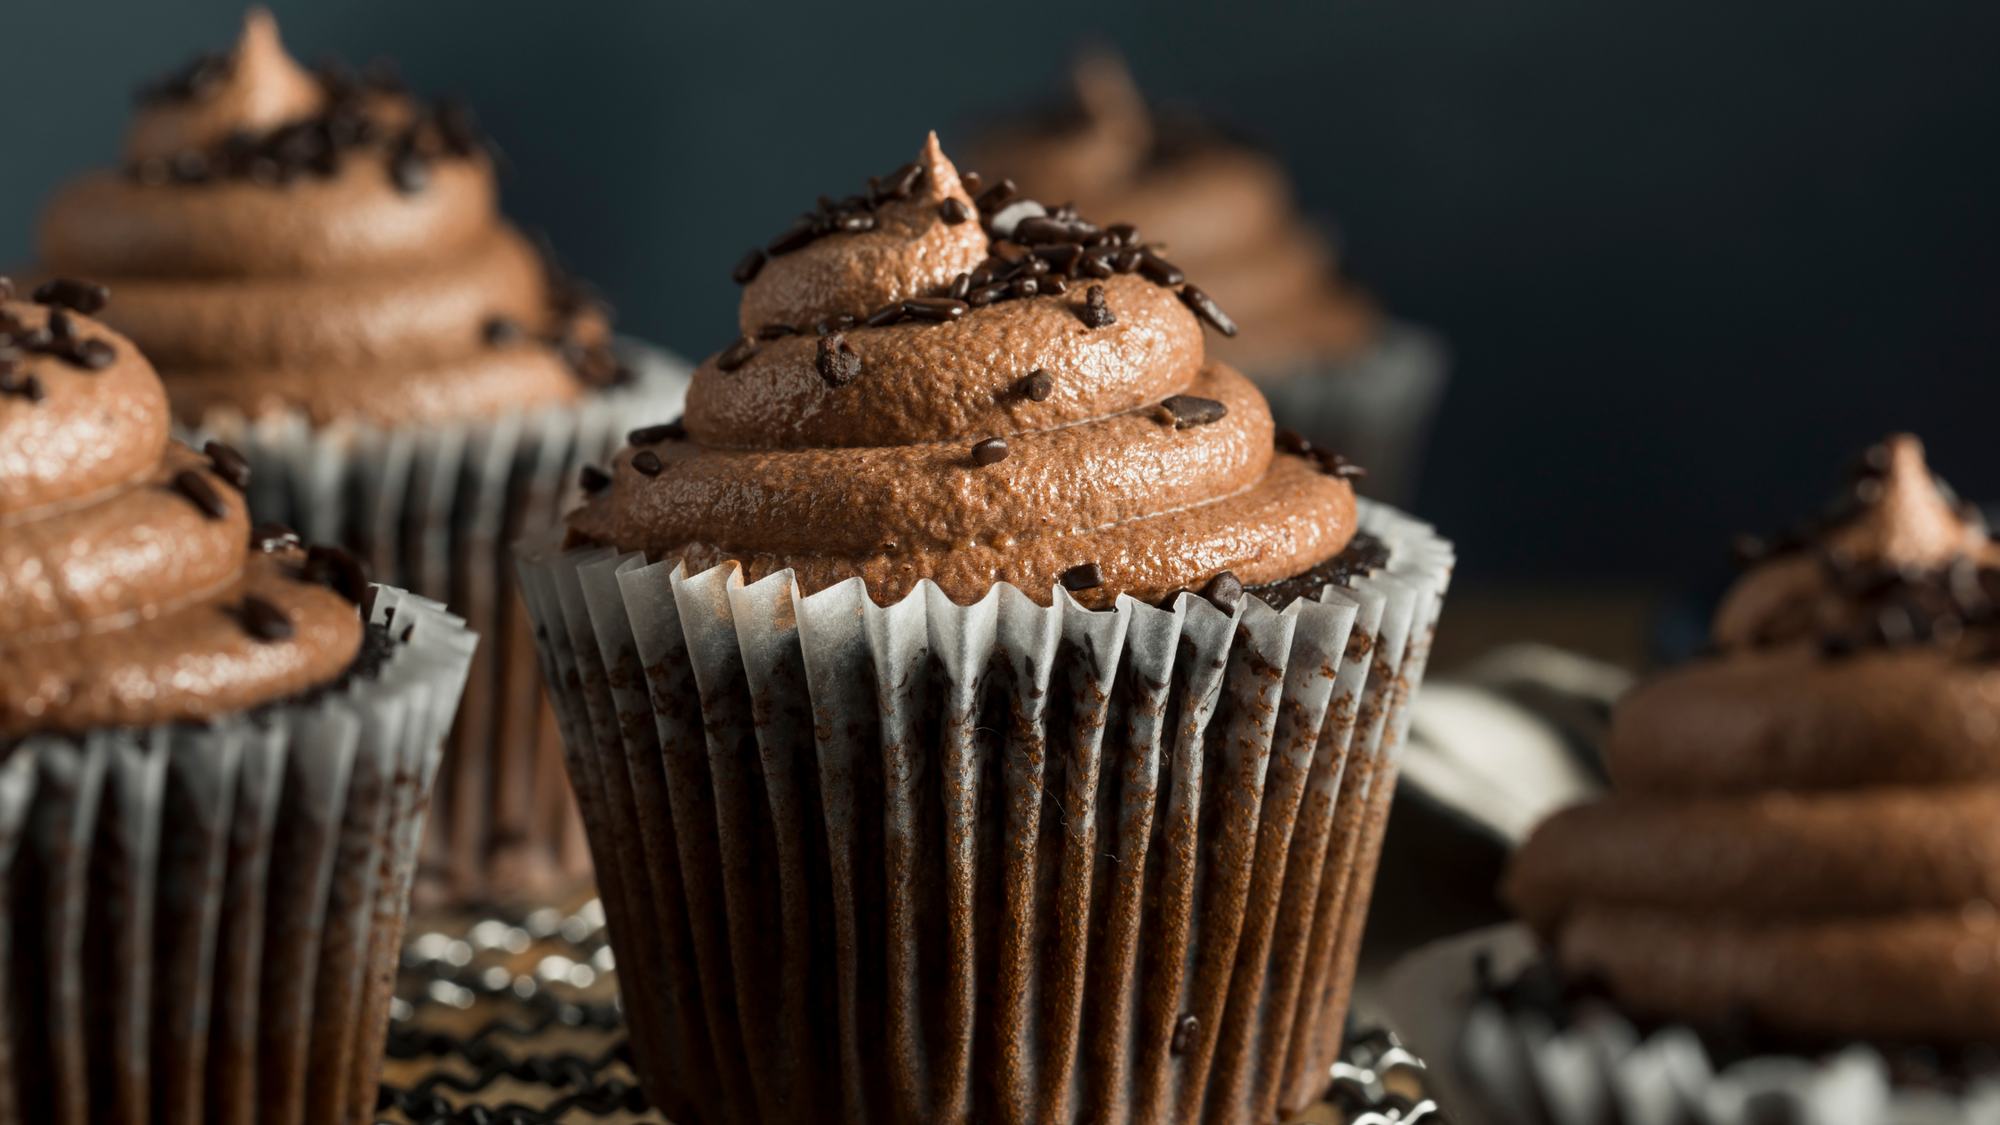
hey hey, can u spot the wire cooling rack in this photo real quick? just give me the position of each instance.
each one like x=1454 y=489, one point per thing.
x=513 y=1020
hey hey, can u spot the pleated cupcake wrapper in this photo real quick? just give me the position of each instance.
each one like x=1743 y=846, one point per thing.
x=999 y=862
x=431 y=508
x=1375 y=409
x=203 y=923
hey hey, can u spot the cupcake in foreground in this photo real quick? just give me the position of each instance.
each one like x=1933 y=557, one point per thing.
x=938 y=818
x=1319 y=346
x=317 y=265
x=1804 y=831
x=212 y=771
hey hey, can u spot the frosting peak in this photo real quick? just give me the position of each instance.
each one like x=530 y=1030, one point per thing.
x=903 y=252
x=255 y=87
x=938 y=380
x=1896 y=525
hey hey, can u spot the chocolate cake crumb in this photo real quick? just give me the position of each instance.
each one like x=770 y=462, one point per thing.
x=837 y=361
x=1095 y=312
x=1083 y=576
x=1225 y=591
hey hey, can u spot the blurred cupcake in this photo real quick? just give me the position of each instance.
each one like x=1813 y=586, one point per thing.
x=1318 y=346
x=1801 y=849
x=938 y=818
x=317 y=265
x=212 y=772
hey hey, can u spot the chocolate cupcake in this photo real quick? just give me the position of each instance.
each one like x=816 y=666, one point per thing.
x=1802 y=828
x=907 y=803
x=1320 y=348
x=317 y=264
x=212 y=772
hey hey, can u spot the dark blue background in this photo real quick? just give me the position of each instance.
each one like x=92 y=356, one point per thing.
x=1690 y=253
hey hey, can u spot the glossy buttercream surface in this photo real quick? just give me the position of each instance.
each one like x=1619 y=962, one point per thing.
x=1805 y=827
x=1224 y=210
x=875 y=472
x=285 y=240
x=125 y=591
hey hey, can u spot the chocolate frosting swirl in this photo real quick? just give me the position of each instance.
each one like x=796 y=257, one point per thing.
x=129 y=593
x=1805 y=827
x=1135 y=464
x=1225 y=210
x=280 y=240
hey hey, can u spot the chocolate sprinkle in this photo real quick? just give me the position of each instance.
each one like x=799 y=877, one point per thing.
x=954 y=210
x=1095 y=312
x=995 y=197
x=648 y=462
x=837 y=361
x=262 y=620
x=837 y=324
x=1158 y=270
x=410 y=170
x=1225 y=590
x=1293 y=442
x=499 y=331
x=654 y=435
x=1038 y=386
x=776 y=332
x=200 y=493
x=337 y=570
x=935 y=309
x=1187 y=410
x=885 y=316
x=1205 y=307
x=960 y=286
x=593 y=479
x=736 y=354
x=973 y=183
x=27 y=386
x=83 y=296
x=901 y=182
x=747 y=268
x=1083 y=576
x=228 y=464
x=91 y=355
x=992 y=451
x=1334 y=465
x=269 y=537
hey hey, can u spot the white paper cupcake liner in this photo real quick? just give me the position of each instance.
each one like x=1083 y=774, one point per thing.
x=940 y=863
x=1489 y=1066
x=201 y=923
x=431 y=509
x=1375 y=409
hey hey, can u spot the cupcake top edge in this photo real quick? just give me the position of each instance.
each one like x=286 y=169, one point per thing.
x=941 y=379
